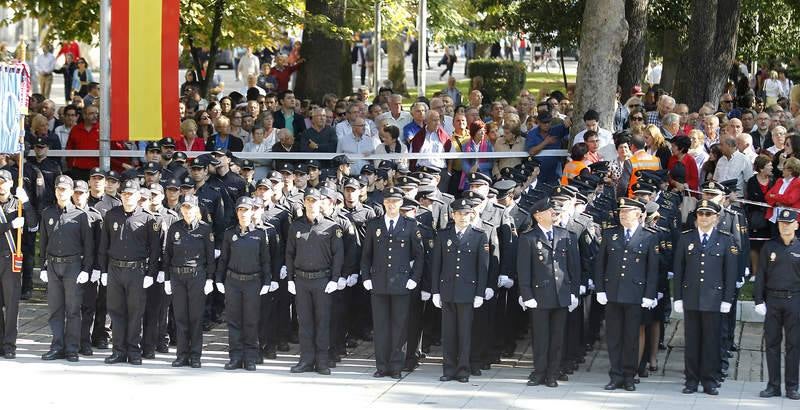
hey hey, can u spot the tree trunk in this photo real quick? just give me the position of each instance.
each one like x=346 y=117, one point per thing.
x=603 y=35
x=712 y=46
x=397 y=64
x=672 y=50
x=327 y=68
x=216 y=31
x=630 y=72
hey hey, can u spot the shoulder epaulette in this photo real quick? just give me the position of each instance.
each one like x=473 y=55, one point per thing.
x=687 y=231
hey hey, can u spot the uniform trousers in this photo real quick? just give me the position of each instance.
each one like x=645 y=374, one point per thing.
x=390 y=317
x=88 y=312
x=126 y=302
x=416 y=310
x=100 y=330
x=456 y=338
x=155 y=318
x=314 y=319
x=482 y=334
x=188 y=303
x=548 y=340
x=64 y=297
x=783 y=315
x=622 y=335
x=243 y=305
x=10 y=289
x=702 y=334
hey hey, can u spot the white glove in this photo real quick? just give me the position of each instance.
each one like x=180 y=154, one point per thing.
x=659 y=296
x=410 y=284
x=425 y=296
x=221 y=287
x=653 y=303
x=160 y=278
x=522 y=304
x=167 y=287
x=330 y=287
x=43 y=275
x=503 y=280
x=83 y=277
x=104 y=279
x=725 y=307
x=488 y=294
x=591 y=284
x=34 y=229
x=477 y=302
x=283 y=272
x=761 y=309
x=530 y=303
x=217 y=252
x=148 y=281
x=21 y=195
x=264 y=290
x=341 y=283
x=290 y=287
x=739 y=284
x=437 y=300
x=367 y=284
x=647 y=303
x=209 y=287
x=746 y=271
x=573 y=302
x=677 y=306
x=602 y=298
x=17 y=222
x=352 y=280
x=273 y=286
x=582 y=290
x=95 y=276
x=670 y=275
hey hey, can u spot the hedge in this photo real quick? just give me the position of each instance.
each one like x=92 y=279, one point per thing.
x=501 y=78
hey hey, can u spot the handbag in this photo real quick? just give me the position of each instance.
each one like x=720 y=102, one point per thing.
x=687 y=206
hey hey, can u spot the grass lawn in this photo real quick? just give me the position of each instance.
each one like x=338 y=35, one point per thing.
x=534 y=82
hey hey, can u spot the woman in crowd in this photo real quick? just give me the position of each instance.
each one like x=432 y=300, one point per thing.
x=791 y=149
x=615 y=167
x=680 y=154
x=710 y=165
x=390 y=144
x=511 y=141
x=757 y=188
x=479 y=142
x=786 y=190
x=778 y=139
x=657 y=145
x=82 y=77
x=576 y=164
x=636 y=121
x=190 y=140
x=698 y=149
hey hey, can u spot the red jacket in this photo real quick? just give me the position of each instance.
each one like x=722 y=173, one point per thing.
x=282 y=76
x=790 y=198
x=419 y=140
x=692 y=179
x=80 y=139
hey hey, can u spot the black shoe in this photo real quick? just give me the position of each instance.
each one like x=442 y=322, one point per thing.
x=270 y=355
x=26 y=295
x=378 y=374
x=487 y=366
x=351 y=344
x=689 y=390
x=588 y=347
x=410 y=366
x=636 y=380
x=724 y=374
x=260 y=359
x=72 y=357
x=563 y=378
x=250 y=366
x=662 y=346
x=149 y=355
x=283 y=347
x=534 y=382
x=102 y=345
x=116 y=357
x=180 y=362
x=53 y=355
x=551 y=383
x=301 y=368
x=195 y=363
x=463 y=379
x=612 y=385
x=293 y=339
x=233 y=364
x=445 y=378
x=644 y=373
x=712 y=391
x=728 y=354
x=10 y=355
x=396 y=375
x=86 y=351
x=792 y=395
x=476 y=372
x=629 y=386
x=772 y=392
x=162 y=349
x=653 y=368
x=734 y=348
x=331 y=364
x=324 y=371
x=136 y=361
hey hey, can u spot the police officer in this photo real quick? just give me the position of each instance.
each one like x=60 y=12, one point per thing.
x=189 y=267
x=548 y=267
x=243 y=274
x=50 y=169
x=80 y=198
x=776 y=292
x=391 y=266
x=314 y=259
x=66 y=256
x=459 y=276
x=704 y=285
x=626 y=270
x=131 y=238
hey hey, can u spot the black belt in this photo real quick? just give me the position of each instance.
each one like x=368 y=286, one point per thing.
x=127 y=264
x=242 y=276
x=782 y=294
x=311 y=275
x=183 y=270
x=64 y=259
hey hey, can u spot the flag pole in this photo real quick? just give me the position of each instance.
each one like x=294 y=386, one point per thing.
x=105 y=88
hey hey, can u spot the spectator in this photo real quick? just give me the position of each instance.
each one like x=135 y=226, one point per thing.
x=762 y=138
x=437 y=104
x=710 y=164
x=453 y=92
x=69 y=116
x=757 y=188
x=786 y=191
x=92 y=94
x=665 y=106
x=320 y=137
x=593 y=146
x=44 y=66
x=236 y=126
x=248 y=65
x=39 y=130
x=733 y=164
x=448 y=61
x=286 y=117
x=479 y=142
x=680 y=154
x=544 y=137
x=395 y=116
x=744 y=143
x=283 y=72
x=791 y=148
x=356 y=141
x=671 y=126
x=390 y=137
x=190 y=80
x=214 y=111
x=512 y=142
x=265 y=80
x=657 y=145
x=418 y=114
x=431 y=140
x=285 y=144
x=84 y=136
x=458 y=139
x=711 y=129
x=772 y=89
x=615 y=166
x=591 y=119
x=223 y=139
x=778 y=136
x=190 y=141
x=82 y=77
x=68 y=71
x=641 y=160
x=576 y=165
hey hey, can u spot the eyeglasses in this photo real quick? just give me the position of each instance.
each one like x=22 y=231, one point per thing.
x=205 y=117
x=705 y=213
x=637 y=118
x=341 y=114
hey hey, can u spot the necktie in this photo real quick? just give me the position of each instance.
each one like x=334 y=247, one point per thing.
x=705 y=240
x=627 y=235
x=391 y=226
x=550 y=236
x=459 y=234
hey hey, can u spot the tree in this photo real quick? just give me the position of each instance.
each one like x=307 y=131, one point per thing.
x=709 y=57
x=604 y=32
x=60 y=19
x=632 y=68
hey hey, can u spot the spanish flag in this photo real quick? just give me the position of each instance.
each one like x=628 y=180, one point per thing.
x=144 y=69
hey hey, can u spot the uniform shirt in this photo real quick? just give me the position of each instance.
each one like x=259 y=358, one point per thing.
x=104 y=203
x=778 y=268
x=130 y=236
x=96 y=222
x=212 y=210
x=460 y=266
x=314 y=246
x=9 y=209
x=66 y=232
x=50 y=170
x=391 y=258
x=245 y=252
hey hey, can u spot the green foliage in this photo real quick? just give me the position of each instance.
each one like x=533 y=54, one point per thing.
x=65 y=19
x=768 y=30
x=501 y=78
x=554 y=23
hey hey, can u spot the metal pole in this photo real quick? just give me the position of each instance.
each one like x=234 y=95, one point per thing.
x=422 y=43
x=376 y=60
x=105 y=89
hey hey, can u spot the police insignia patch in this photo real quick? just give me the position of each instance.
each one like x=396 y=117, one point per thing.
x=298 y=235
x=234 y=237
x=538 y=245
x=449 y=242
x=378 y=232
x=691 y=246
x=116 y=226
x=486 y=247
x=734 y=250
x=338 y=233
x=177 y=236
x=419 y=235
x=50 y=222
x=430 y=243
x=614 y=237
x=772 y=257
x=156 y=226
x=211 y=237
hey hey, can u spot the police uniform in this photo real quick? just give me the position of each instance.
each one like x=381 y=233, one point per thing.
x=314 y=258
x=50 y=170
x=67 y=254
x=419 y=306
x=280 y=217
x=548 y=272
x=777 y=289
x=626 y=269
x=33 y=184
x=392 y=258
x=244 y=268
x=90 y=289
x=458 y=277
x=129 y=241
x=358 y=301
x=705 y=276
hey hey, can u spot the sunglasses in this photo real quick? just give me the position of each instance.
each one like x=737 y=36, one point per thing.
x=727 y=101
x=205 y=117
x=341 y=114
x=637 y=118
x=705 y=213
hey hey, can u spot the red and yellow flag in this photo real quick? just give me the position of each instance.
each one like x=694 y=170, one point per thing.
x=144 y=69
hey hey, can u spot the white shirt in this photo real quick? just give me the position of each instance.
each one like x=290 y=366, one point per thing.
x=654 y=77
x=447 y=124
x=606 y=143
x=700 y=234
x=399 y=122
x=737 y=167
x=773 y=150
x=390 y=222
x=548 y=233
x=432 y=145
x=248 y=65
x=629 y=231
x=63 y=135
x=45 y=63
x=348 y=144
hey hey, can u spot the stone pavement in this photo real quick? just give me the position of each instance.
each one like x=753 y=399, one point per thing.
x=60 y=384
